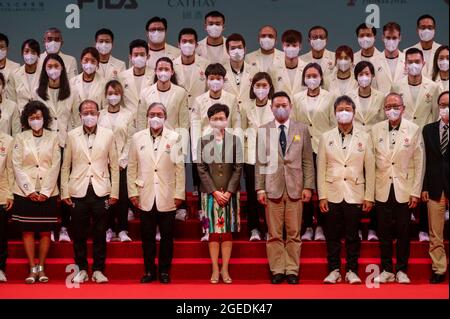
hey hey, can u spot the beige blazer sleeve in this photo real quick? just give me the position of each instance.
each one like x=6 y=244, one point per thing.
x=114 y=169
x=19 y=172
x=66 y=168
x=369 y=170
x=132 y=170
x=50 y=180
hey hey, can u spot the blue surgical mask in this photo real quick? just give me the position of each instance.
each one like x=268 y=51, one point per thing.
x=281 y=113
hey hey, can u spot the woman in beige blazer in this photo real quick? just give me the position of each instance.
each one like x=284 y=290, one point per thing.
x=36 y=161
x=441 y=68
x=341 y=81
x=117 y=118
x=9 y=122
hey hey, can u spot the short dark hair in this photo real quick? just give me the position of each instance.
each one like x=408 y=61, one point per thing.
x=291 y=36
x=280 y=94
x=217 y=108
x=2 y=80
x=392 y=26
x=156 y=19
x=345 y=49
x=104 y=31
x=344 y=99
x=363 y=26
x=435 y=61
x=234 y=37
x=33 y=44
x=91 y=50
x=32 y=108
x=258 y=77
x=312 y=66
x=215 y=14
x=139 y=43
x=412 y=51
x=80 y=107
x=361 y=66
x=317 y=27
x=425 y=16
x=215 y=69
x=4 y=37
x=173 y=79
x=188 y=31
x=441 y=95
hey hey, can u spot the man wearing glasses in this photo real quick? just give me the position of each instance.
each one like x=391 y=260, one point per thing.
x=399 y=154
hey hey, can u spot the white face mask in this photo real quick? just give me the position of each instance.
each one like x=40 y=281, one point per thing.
x=215 y=85
x=364 y=81
x=114 y=99
x=426 y=35
x=415 y=69
x=156 y=123
x=163 y=76
x=3 y=54
x=343 y=64
x=187 y=49
x=393 y=115
x=104 y=47
x=30 y=59
x=53 y=73
x=344 y=117
x=267 y=43
x=218 y=125
x=237 y=55
x=261 y=93
x=391 y=45
x=52 y=47
x=157 y=36
x=318 y=44
x=313 y=83
x=443 y=113
x=89 y=68
x=139 y=61
x=292 y=52
x=214 y=31
x=366 y=42
x=443 y=65
x=89 y=120
x=36 y=125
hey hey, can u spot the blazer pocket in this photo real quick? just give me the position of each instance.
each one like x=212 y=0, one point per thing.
x=360 y=181
x=330 y=179
x=139 y=183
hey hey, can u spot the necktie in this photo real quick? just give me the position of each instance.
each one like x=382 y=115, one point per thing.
x=283 y=139
x=444 y=140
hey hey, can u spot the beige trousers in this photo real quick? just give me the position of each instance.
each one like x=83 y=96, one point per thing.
x=436 y=219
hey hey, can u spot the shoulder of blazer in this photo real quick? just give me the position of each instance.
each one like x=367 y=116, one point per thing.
x=126 y=74
x=104 y=131
x=229 y=97
x=139 y=135
x=379 y=126
x=116 y=61
x=178 y=89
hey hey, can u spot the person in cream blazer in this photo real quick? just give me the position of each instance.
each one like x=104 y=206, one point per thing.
x=69 y=61
x=255 y=59
x=374 y=114
x=327 y=62
x=281 y=79
x=111 y=70
x=202 y=50
x=24 y=91
x=384 y=78
x=132 y=93
x=9 y=117
x=240 y=91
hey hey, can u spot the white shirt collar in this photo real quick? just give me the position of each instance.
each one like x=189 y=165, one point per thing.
x=286 y=124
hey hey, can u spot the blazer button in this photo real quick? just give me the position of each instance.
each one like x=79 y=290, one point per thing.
x=393 y=163
x=390 y=177
x=415 y=118
x=345 y=165
x=37 y=166
x=90 y=163
x=310 y=125
x=364 y=124
x=156 y=170
x=345 y=179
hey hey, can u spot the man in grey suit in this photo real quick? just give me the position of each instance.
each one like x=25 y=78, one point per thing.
x=284 y=180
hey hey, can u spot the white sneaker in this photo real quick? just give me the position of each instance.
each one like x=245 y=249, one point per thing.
x=413 y=218
x=333 y=278
x=99 y=277
x=130 y=215
x=319 y=236
x=384 y=278
x=2 y=276
x=110 y=235
x=372 y=236
x=402 y=278
x=255 y=236
x=352 y=278
x=123 y=236
x=423 y=237
x=360 y=235
x=81 y=277
x=446 y=215
x=205 y=237
x=52 y=236
x=158 y=235
x=181 y=215
x=64 y=235
x=308 y=235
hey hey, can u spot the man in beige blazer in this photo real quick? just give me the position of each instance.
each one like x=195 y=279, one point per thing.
x=318 y=40
x=90 y=185
x=399 y=154
x=346 y=185
x=7 y=67
x=109 y=67
x=212 y=48
x=156 y=186
x=284 y=175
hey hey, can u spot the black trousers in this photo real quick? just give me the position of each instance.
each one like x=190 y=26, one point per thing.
x=343 y=221
x=119 y=212
x=166 y=222
x=3 y=238
x=309 y=210
x=83 y=209
x=394 y=222
x=423 y=217
x=254 y=209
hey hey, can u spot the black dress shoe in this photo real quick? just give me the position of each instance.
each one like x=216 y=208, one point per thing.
x=164 y=278
x=278 y=279
x=437 y=279
x=292 y=279
x=148 y=278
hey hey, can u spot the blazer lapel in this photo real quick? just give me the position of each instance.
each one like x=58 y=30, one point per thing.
x=290 y=137
x=31 y=144
x=83 y=142
x=337 y=141
x=399 y=139
x=162 y=146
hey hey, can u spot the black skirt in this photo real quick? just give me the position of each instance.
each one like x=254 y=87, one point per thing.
x=35 y=216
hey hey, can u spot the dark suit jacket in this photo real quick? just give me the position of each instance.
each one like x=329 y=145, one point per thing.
x=436 y=171
x=220 y=174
